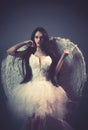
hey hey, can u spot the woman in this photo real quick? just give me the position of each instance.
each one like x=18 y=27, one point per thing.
x=40 y=45
x=39 y=97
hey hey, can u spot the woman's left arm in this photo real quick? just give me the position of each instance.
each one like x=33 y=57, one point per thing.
x=61 y=61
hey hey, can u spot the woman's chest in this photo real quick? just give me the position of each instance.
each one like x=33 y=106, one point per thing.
x=40 y=61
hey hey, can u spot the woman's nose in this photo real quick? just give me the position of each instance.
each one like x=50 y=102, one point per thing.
x=39 y=39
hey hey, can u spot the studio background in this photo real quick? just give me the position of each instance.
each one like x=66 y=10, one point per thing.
x=61 y=18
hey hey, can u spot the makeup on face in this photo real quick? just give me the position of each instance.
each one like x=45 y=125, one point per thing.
x=38 y=38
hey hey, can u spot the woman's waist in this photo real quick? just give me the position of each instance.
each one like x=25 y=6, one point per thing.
x=39 y=77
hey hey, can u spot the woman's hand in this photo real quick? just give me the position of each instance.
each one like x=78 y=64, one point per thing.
x=29 y=42
x=66 y=52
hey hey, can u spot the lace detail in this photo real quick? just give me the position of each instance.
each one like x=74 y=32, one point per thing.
x=39 y=68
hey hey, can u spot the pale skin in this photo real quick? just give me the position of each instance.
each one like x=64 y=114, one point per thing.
x=61 y=61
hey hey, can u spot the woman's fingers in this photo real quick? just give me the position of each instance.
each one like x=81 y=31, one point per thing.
x=66 y=52
x=30 y=43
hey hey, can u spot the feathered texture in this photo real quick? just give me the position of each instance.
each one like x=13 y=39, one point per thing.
x=71 y=77
x=73 y=73
x=39 y=95
x=11 y=72
x=42 y=97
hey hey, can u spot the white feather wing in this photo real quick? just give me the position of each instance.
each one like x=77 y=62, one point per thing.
x=73 y=73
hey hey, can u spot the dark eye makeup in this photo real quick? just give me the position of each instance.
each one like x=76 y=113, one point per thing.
x=41 y=37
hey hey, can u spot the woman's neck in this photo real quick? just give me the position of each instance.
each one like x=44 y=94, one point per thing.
x=39 y=52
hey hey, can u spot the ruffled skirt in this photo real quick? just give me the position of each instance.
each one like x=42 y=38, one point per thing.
x=41 y=98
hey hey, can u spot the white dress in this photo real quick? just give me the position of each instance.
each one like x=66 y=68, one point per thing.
x=39 y=95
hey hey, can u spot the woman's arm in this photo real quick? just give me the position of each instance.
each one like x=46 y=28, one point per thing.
x=61 y=61
x=13 y=50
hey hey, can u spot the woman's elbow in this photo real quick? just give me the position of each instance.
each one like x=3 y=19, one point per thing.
x=12 y=53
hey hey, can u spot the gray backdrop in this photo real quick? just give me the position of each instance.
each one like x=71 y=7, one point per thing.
x=64 y=18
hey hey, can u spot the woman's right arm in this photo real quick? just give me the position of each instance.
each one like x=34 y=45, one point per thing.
x=13 y=50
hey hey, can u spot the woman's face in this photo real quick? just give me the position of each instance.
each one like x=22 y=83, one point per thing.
x=38 y=38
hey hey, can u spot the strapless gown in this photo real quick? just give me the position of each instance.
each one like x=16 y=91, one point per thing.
x=39 y=95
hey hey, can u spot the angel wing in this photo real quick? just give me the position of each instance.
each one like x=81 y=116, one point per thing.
x=12 y=72
x=73 y=73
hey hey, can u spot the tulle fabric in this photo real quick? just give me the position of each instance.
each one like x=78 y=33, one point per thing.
x=38 y=96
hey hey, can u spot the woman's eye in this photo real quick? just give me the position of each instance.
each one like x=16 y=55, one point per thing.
x=41 y=37
x=36 y=36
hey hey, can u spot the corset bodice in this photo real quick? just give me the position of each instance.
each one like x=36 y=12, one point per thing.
x=39 y=67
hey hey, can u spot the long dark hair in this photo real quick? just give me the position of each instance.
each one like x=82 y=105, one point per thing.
x=31 y=50
x=50 y=48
